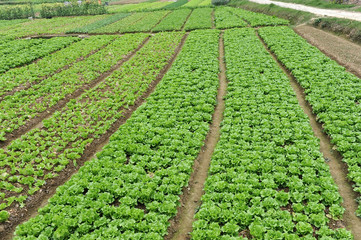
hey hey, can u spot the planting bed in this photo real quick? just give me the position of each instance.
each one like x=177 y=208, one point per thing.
x=175 y=121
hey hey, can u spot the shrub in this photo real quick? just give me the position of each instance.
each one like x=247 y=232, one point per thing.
x=16 y=12
x=72 y=9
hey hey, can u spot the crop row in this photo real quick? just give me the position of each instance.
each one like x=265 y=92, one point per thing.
x=132 y=188
x=68 y=132
x=121 y=25
x=98 y=24
x=198 y=3
x=175 y=5
x=258 y=19
x=267 y=177
x=226 y=19
x=193 y=3
x=173 y=21
x=205 y=3
x=4 y=23
x=145 y=6
x=147 y=22
x=151 y=6
x=333 y=93
x=19 y=52
x=49 y=26
x=21 y=107
x=200 y=18
x=49 y=65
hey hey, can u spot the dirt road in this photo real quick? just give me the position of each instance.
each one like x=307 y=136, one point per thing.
x=317 y=11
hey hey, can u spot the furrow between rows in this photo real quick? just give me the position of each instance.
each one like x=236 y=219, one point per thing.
x=25 y=109
x=91 y=119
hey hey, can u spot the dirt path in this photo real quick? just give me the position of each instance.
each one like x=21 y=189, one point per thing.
x=319 y=11
x=346 y=53
x=338 y=168
x=181 y=225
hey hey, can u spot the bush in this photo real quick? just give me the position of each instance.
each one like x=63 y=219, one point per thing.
x=16 y=12
x=219 y=2
x=72 y=9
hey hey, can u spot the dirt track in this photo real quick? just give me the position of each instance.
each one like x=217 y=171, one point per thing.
x=346 y=53
x=318 y=11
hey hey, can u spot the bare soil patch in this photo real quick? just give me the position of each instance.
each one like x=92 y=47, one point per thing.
x=346 y=53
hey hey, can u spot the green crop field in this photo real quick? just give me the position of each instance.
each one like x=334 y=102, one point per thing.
x=174 y=120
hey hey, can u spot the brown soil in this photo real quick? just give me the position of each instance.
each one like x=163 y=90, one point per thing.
x=213 y=20
x=47 y=113
x=338 y=168
x=40 y=199
x=346 y=53
x=28 y=85
x=181 y=225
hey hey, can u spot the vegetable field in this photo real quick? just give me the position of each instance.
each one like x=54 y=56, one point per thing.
x=175 y=121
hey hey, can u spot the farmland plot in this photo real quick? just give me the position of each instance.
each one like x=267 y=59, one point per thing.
x=48 y=26
x=18 y=52
x=267 y=178
x=122 y=24
x=225 y=19
x=258 y=19
x=150 y=157
x=23 y=106
x=173 y=21
x=33 y=73
x=75 y=127
x=199 y=19
x=332 y=92
x=161 y=112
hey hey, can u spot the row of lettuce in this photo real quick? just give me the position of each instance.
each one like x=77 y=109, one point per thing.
x=132 y=188
x=151 y=6
x=19 y=52
x=332 y=92
x=31 y=74
x=267 y=177
x=38 y=155
x=23 y=106
x=165 y=20
x=46 y=26
x=199 y=18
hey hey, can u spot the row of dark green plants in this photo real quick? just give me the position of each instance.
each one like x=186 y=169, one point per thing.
x=72 y=9
x=16 y=12
x=51 y=10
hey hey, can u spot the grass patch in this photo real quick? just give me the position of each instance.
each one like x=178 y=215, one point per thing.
x=349 y=28
x=320 y=4
x=294 y=16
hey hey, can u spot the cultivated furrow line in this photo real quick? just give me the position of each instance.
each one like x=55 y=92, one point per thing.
x=27 y=85
x=181 y=225
x=332 y=157
x=41 y=197
x=60 y=104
